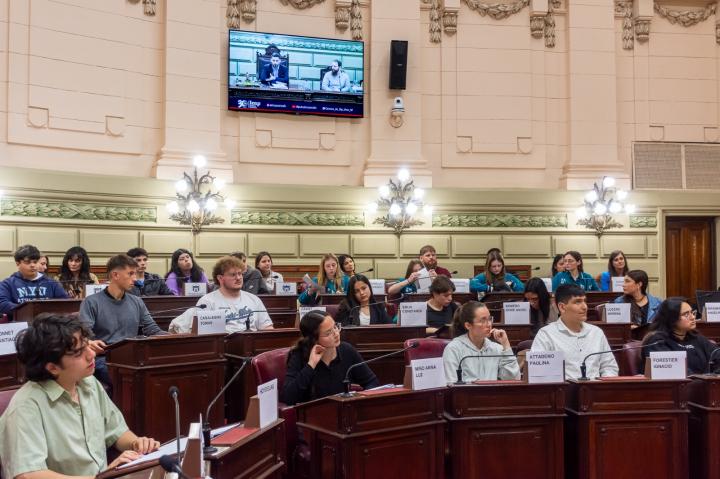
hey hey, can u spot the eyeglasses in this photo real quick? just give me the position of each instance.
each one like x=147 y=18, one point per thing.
x=687 y=314
x=484 y=321
x=233 y=275
x=335 y=329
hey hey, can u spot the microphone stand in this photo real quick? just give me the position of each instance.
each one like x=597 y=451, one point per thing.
x=206 y=429
x=583 y=366
x=459 y=370
x=346 y=381
x=174 y=391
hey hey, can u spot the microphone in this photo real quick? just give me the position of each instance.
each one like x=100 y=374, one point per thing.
x=459 y=368
x=206 y=429
x=583 y=366
x=171 y=465
x=400 y=298
x=366 y=271
x=711 y=363
x=183 y=309
x=346 y=381
x=174 y=392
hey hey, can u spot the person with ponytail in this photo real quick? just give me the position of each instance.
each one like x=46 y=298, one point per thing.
x=495 y=277
x=617 y=266
x=643 y=306
x=542 y=309
x=360 y=308
x=329 y=280
x=574 y=274
x=317 y=365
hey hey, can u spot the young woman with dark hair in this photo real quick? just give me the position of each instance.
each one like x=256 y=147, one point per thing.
x=643 y=306
x=360 y=308
x=264 y=264
x=75 y=272
x=184 y=269
x=574 y=273
x=558 y=265
x=617 y=266
x=542 y=309
x=495 y=277
x=407 y=284
x=318 y=363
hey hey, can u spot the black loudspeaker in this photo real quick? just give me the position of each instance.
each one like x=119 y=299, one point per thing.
x=398 y=64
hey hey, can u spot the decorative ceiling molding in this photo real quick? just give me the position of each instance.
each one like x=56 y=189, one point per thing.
x=76 y=211
x=472 y=220
x=296 y=218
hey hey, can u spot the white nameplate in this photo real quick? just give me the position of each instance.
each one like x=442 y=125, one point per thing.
x=8 y=332
x=617 y=313
x=94 y=288
x=461 y=285
x=210 y=322
x=616 y=283
x=195 y=289
x=268 y=398
x=548 y=283
x=424 y=281
x=711 y=313
x=428 y=373
x=516 y=312
x=413 y=313
x=285 y=289
x=668 y=365
x=378 y=286
x=545 y=366
x=303 y=310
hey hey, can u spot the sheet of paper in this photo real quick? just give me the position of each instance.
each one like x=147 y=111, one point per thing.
x=424 y=281
x=168 y=448
x=268 y=398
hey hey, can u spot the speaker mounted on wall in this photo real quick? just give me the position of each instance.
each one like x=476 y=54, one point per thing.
x=398 y=64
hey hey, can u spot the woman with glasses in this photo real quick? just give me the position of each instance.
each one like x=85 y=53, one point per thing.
x=574 y=273
x=474 y=336
x=317 y=365
x=674 y=328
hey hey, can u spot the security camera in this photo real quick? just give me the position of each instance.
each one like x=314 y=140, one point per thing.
x=398 y=105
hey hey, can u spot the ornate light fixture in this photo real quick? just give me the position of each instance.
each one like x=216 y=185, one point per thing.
x=196 y=201
x=601 y=203
x=402 y=200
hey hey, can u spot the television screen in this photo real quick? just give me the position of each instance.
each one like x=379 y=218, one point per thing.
x=270 y=72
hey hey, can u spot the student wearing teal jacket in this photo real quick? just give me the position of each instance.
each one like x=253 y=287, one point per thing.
x=574 y=274
x=328 y=277
x=495 y=277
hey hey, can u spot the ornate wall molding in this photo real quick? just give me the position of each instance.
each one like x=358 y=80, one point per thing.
x=237 y=9
x=686 y=18
x=472 y=220
x=497 y=11
x=295 y=218
x=624 y=9
x=356 y=27
x=76 y=211
x=643 y=221
x=301 y=4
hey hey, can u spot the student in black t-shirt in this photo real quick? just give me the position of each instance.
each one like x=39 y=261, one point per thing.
x=440 y=306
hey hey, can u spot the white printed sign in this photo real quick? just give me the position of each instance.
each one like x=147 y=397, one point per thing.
x=8 y=332
x=285 y=289
x=548 y=283
x=94 y=288
x=516 y=312
x=268 y=398
x=377 y=286
x=428 y=373
x=617 y=283
x=617 y=313
x=303 y=310
x=668 y=365
x=461 y=285
x=210 y=321
x=413 y=314
x=424 y=281
x=195 y=289
x=545 y=366
x=711 y=313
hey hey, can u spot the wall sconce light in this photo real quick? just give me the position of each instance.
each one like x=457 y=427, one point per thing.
x=600 y=204
x=397 y=113
x=402 y=200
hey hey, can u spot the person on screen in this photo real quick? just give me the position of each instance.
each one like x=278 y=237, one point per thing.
x=275 y=72
x=60 y=422
x=336 y=79
x=572 y=335
x=318 y=363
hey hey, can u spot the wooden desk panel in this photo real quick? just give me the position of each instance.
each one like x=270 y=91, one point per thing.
x=461 y=298
x=616 y=334
x=259 y=455
x=11 y=372
x=330 y=299
x=704 y=426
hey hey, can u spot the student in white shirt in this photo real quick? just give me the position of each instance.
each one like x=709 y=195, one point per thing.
x=575 y=338
x=475 y=336
x=243 y=311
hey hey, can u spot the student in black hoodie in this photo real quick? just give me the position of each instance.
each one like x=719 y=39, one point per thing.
x=674 y=326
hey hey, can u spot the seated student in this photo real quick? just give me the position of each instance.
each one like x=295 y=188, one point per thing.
x=252 y=279
x=428 y=257
x=146 y=284
x=60 y=422
x=542 y=309
x=576 y=338
x=183 y=269
x=27 y=284
x=574 y=274
x=75 y=272
x=440 y=306
x=264 y=264
x=317 y=365
x=347 y=268
x=675 y=327
x=643 y=306
x=113 y=315
x=243 y=311
x=407 y=285
x=558 y=265
x=617 y=266
x=360 y=308
x=329 y=279
x=43 y=264
x=495 y=277
x=473 y=335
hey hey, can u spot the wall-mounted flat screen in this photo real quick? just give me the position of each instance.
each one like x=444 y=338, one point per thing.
x=270 y=72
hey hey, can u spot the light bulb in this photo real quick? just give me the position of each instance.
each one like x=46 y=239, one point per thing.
x=229 y=204
x=384 y=191
x=211 y=204
x=371 y=207
x=621 y=194
x=419 y=193
x=581 y=213
x=403 y=174
x=411 y=208
x=181 y=186
x=600 y=209
x=172 y=207
x=199 y=161
x=219 y=183
x=630 y=209
x=608 y=182
x=427 y=210
x=591 y=196
x=395 y=209
x=615 y=207
x=193 y=206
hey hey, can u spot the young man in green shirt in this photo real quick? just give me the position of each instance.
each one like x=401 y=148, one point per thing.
x=61 y=421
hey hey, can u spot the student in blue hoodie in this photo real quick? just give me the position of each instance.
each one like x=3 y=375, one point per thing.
x=27 y=284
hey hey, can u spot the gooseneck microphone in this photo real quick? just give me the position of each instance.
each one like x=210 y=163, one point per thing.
x=583 y=366
x=400 y=298
x=174 y=392
x=206 y=429
x=346 y=381
x=171 y=465
x=459 y=370
x=366 y=271
x=183 y=309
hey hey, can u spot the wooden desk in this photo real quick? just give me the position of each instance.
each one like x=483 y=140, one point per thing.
x=142 y=371
x=391 y=435
x=616 y=334
x=329 y=299
x=627 y=428
x=261 y=454
x=12 y=372
x=522 y=271
x=704 y=426
x=488 y=422
x=27 y=311
x=282 y=309
x=461 y=298
x=709 y=330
